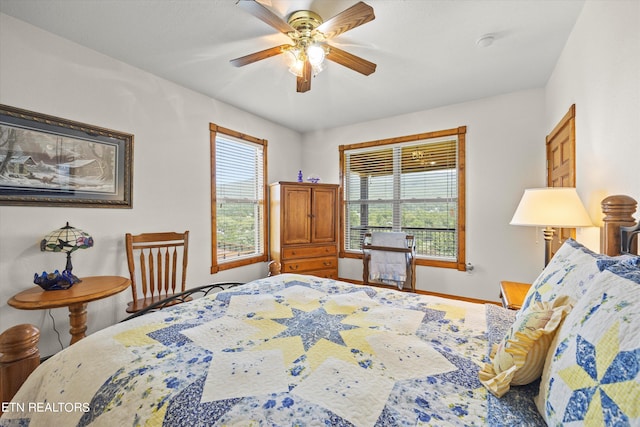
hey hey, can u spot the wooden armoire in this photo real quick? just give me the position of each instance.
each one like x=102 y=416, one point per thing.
x=304 y=228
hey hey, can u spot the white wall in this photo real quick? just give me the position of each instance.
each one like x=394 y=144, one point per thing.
x=171 y=181
x=599 y=71
x=505 y=153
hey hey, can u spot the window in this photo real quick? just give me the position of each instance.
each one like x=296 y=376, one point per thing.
x=413 y=184
x=238 y=194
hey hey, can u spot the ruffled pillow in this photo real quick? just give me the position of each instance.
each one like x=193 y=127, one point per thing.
x=519 y=358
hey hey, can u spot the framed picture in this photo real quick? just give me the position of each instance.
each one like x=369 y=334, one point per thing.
x=49 y=161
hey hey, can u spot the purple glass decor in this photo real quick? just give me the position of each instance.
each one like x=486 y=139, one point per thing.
x=55 y=281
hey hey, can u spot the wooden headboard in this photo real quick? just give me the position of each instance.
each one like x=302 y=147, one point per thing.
x=19 y=354
x=627 y=234
x=619 y=225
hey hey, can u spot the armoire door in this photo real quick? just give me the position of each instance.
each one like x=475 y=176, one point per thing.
x=296 y=222
x=323 y=215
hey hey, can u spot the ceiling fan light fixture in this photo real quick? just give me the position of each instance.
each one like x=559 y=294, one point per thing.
x=291 y=57
x=296 y=69
x=294 y=62
x=315 y=53
x=317 y=69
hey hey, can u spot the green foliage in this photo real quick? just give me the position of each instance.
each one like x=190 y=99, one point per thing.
x=432 y=224
x=237 y=227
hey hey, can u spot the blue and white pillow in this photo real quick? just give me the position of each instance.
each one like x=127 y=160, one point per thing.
x=628 y=259
x=569 y=273
x=592 y=372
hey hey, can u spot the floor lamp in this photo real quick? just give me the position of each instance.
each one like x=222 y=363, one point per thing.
x=550 y=207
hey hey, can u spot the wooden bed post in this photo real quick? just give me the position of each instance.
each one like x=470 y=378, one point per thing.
x=19 y=356
x=274 y=268
x=618 y=212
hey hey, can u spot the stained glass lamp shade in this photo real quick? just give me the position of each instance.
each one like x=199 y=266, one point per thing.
x=66 y=239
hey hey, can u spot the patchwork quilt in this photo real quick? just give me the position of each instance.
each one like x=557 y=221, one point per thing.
x=282 y=351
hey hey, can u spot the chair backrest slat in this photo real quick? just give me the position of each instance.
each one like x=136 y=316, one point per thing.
x=173 y=271
x=157 y=273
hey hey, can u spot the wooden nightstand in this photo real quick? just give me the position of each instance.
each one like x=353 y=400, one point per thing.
x=512 y=294
x=76 y=298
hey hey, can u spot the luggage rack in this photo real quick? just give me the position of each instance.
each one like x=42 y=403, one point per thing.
x=409 y=251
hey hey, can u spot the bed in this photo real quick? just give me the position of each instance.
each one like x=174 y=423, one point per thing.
x=301 y=350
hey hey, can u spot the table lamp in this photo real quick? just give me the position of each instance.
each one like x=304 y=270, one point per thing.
x=551 y=207
x=66 y=239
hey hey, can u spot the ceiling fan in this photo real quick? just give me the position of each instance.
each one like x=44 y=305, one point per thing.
x=309 y=35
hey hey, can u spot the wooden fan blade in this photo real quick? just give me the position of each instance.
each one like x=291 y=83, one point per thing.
x=303 y=83
x=358 y=14
x=266 y=15
x=350 y=60
x=257 y=56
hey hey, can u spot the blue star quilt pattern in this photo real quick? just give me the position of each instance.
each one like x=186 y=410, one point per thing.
x=282 y=351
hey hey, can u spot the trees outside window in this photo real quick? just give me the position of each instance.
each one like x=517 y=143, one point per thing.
x=413 y=184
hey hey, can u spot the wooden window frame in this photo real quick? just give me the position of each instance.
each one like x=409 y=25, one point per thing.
x=216 y=265
x=460 y=133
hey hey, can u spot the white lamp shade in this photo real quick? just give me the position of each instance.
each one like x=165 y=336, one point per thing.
x=551 y=207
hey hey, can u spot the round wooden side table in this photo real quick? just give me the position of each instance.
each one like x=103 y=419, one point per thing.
x=76 y=298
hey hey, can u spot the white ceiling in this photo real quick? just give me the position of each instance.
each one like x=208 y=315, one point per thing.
x=425 y=51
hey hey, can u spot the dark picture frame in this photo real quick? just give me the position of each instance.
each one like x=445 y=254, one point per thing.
x=50 y=161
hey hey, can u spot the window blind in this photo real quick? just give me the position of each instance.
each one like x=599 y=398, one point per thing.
x=410 y=187
x=239 y=167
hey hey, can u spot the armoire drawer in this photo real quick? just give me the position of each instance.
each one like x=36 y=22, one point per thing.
x=308 y=251
x=304 y=265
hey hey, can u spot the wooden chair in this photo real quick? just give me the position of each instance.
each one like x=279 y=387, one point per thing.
x=410 y=256
x=157 y=265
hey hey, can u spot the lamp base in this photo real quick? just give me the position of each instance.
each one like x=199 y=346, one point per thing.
x=548 y=237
